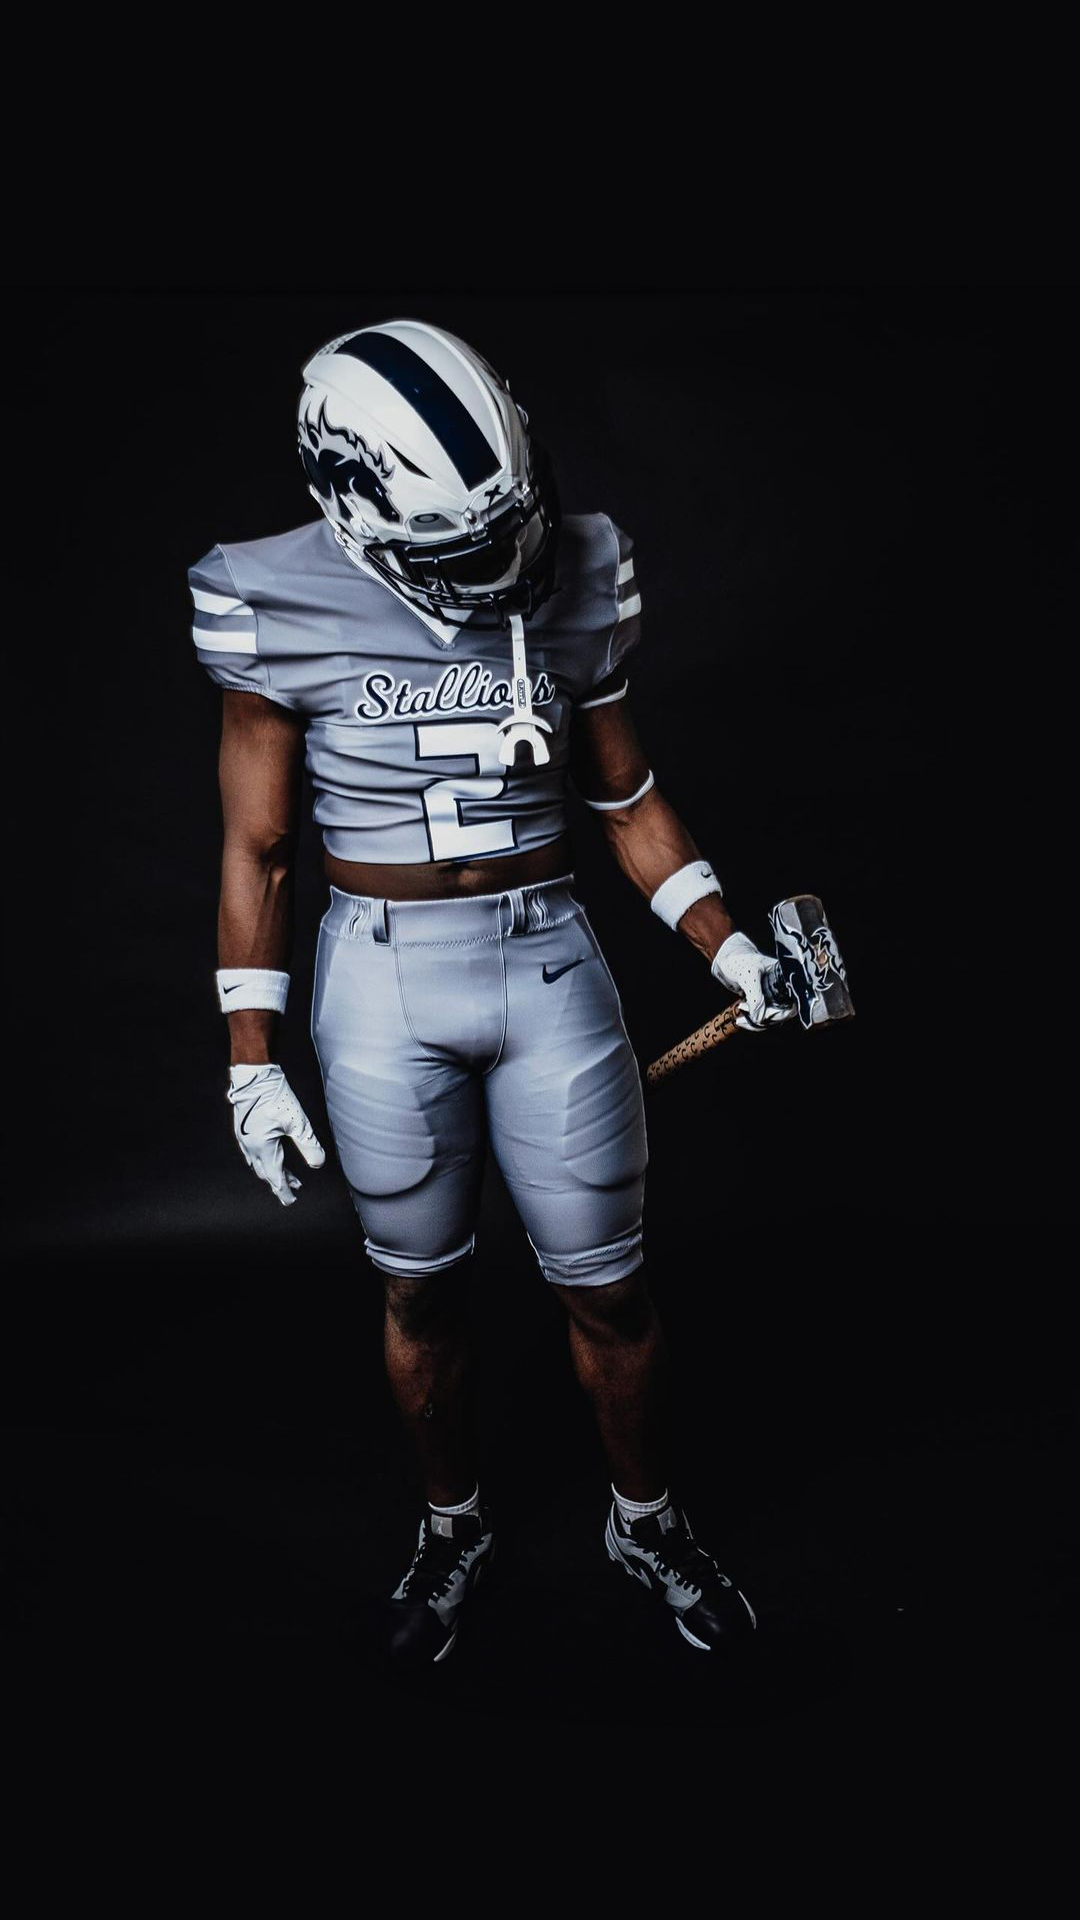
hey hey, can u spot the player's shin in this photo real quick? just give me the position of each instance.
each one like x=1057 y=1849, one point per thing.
x=428 y=1363
x=620 y=1357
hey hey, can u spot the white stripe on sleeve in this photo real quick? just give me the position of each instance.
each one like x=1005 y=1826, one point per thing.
x=218 y=642
x=218 y=602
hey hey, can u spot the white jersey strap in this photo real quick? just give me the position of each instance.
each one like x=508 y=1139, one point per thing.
x=523 y=723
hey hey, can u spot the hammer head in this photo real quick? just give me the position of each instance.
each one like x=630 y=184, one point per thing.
x=809 y=969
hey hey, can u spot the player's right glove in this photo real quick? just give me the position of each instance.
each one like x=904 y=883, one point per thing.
x=743 y=967
x=266 y=1111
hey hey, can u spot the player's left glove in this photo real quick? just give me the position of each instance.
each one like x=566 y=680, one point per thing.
x=266 y=1111
x=742 y=967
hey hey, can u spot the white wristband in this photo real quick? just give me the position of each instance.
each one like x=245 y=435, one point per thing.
x=680 y=890
x=251 y=987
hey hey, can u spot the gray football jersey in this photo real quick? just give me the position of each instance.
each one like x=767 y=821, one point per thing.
x=401 y=709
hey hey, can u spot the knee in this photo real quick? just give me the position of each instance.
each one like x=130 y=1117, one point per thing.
x=621 y=1310
x=426 y=1305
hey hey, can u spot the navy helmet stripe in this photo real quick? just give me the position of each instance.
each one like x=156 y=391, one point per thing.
x=435 y=402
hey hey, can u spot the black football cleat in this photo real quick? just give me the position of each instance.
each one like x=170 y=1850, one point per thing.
x=425 y=1610
x=660 y=1551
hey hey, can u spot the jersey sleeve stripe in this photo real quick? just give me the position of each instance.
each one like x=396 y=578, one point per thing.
x=603 y=698
x=234 y=641
x=218 y=603
x=223 y=624
x=612 y=806
x=628 y=607
x=626 y=572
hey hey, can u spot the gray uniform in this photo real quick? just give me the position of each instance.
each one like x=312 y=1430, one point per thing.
x=439 y=1024
x=402 y=741
x=437 y=1021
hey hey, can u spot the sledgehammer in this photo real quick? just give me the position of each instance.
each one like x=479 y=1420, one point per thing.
x=808 y=973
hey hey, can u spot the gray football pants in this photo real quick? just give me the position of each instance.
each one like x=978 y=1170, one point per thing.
x=441 y=1025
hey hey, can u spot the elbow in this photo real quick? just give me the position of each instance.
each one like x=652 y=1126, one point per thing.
x=621 y=822
x=627 y=834
x=279 y=854
x=271 y=855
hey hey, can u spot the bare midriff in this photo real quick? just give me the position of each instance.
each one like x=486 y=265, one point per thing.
x=449 y=879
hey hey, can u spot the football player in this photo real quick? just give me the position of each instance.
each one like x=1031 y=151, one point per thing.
x=447 y=649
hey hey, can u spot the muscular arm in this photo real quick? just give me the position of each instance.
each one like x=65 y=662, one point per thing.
x=259 y=766
x=647 y=839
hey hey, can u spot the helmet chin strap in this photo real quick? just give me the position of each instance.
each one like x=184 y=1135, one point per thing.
x=523 y=724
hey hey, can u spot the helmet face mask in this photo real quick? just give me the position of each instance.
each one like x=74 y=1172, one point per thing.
x=434 y=442
x=506 y=567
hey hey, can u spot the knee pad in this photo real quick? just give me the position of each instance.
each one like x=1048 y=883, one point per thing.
x=415 y=1265
x=596 y=1266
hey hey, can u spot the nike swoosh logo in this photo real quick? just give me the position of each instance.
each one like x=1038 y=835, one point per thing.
x=556 y=973
x=234 y=988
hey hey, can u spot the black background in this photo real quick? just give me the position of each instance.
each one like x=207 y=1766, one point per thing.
x=853 y=523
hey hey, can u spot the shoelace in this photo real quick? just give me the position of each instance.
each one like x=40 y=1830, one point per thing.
x=434 y=1565
x=689 y=1556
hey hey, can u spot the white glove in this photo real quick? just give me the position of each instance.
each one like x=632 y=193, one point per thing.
x=742 y=966
x=266 y=1111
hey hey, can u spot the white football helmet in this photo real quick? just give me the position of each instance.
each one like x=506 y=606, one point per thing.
x=420 y=460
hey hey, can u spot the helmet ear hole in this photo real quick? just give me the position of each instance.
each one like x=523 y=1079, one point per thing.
x=426 y=525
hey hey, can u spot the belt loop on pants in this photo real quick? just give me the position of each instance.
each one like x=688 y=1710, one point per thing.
x=380 y=921
x=516 y=900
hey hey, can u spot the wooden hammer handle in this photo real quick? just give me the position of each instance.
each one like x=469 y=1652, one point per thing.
x=720 y=1027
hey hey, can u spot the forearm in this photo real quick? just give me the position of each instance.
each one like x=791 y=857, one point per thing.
x=255 y=929
x=649 y=843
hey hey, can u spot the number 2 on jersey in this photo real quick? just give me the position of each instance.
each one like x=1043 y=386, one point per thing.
x=451 y=837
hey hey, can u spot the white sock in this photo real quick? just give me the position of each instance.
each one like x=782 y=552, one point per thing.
x=634 y=1509
x=471 y=1505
